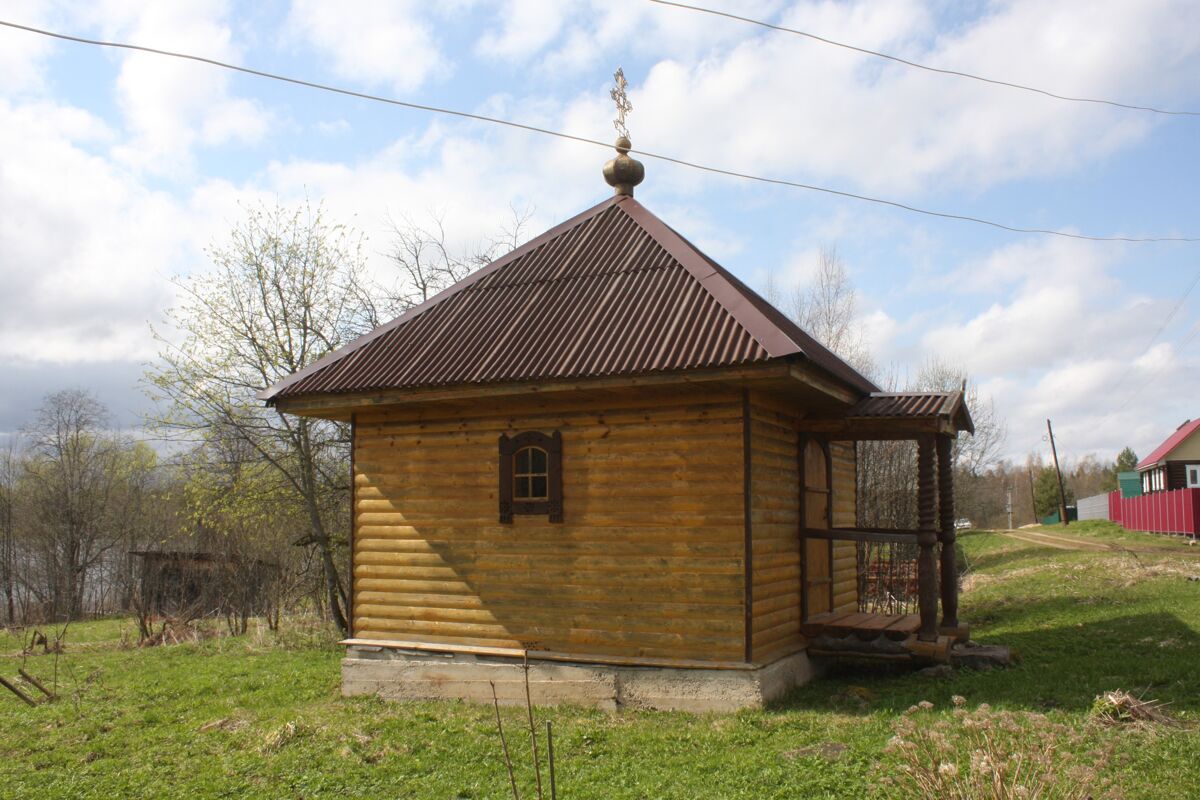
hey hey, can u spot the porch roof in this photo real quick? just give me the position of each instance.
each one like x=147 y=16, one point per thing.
x=898 y=415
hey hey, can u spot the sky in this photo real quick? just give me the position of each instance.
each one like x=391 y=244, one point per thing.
x=120 y=168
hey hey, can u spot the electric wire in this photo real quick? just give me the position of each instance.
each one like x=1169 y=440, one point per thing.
x=1152 y=377
x=926 y=67
x=1166 y=321
x=596 y=142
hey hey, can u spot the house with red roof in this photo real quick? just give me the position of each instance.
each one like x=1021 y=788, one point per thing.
x=1174 y=464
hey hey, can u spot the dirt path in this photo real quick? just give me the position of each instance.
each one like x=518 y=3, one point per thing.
x=1071 y=543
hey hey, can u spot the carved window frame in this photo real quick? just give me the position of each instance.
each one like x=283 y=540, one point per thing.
x=552 y=506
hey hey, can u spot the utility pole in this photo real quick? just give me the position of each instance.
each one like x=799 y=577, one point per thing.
x=1062 y=492
x=1008 y=507
x=1032 y=497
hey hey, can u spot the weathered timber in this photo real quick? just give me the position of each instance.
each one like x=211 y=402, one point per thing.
x=853 y=535
x=747 y=528
x=927 y=540
x=35 y=683
x=12 y=687
x=949 y=567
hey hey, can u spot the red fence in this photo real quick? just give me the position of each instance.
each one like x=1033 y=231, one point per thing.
x=1159 y=512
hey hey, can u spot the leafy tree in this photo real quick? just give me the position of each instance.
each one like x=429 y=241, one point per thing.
x=287 y=288
x=1045 y=492
x=1127 y=460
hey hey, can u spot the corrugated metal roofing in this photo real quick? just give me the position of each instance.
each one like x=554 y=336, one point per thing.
x=914 y=405
x=1177 y=438
x=613 y=291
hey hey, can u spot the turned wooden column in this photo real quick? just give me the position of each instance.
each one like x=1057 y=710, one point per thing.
x=949 y=576
x=927 y=539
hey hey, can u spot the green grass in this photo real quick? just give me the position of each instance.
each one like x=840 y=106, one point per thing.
x=141 y=722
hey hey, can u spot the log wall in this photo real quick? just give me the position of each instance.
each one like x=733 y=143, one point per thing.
x=648 y=561
x=775 y=523
x=845 y=488
x=775 y=520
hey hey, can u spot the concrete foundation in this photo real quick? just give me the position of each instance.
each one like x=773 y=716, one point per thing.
x=401 y=674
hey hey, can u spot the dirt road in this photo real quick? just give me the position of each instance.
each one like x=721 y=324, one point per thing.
x=1071 y=543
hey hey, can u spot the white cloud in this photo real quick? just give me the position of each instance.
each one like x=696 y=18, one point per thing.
x=1066 y=342
x=527 y=26
x=85 y=246
x=725 y=93
x=172 y=106
x=23 y=54
x=568 y=37
x=1061 y=307
x=380 y=43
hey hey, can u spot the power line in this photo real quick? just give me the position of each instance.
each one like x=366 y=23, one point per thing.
x=925 y=67
x=1154 y=375
x=1166 y=321
x=596 y=142
x=1195 y=331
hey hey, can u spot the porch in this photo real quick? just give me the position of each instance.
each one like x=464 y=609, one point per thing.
x=886 y=631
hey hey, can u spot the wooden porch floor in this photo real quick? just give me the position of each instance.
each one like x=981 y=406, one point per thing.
x=885 y=636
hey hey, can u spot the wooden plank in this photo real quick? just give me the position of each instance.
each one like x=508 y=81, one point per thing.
x=747 y=525
x=850 y=621
x=35 y=683
x=12 y=687
x=822 y=622
x=906 y=624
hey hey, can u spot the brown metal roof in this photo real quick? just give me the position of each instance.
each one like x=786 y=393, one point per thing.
x=915 y=405
x=612 y=291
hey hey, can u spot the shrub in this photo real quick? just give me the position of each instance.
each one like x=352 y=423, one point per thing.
x=1000 y=755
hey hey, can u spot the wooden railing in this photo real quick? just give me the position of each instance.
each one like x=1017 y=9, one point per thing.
x=928 y=562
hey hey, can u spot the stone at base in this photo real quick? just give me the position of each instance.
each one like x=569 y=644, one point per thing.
x=396 y=674
x=981 y=656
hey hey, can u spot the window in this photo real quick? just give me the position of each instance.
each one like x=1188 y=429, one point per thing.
x=531 y=475
x=1193 y=476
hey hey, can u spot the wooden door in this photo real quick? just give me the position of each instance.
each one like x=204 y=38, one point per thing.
x=817 y=566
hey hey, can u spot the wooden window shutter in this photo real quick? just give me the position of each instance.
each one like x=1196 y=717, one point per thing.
x=552 y=504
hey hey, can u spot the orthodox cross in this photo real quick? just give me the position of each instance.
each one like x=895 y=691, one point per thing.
x=617 y=93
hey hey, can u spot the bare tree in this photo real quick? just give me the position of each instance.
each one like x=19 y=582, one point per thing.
x=428 y=264
x=81 y=482
x=976 y=453
x=285 y=290
x=9 y=470
x=827 y=309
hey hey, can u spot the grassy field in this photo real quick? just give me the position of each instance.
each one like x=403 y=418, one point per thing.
x=260 y=716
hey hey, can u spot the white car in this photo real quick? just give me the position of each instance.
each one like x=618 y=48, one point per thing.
x=963 y=524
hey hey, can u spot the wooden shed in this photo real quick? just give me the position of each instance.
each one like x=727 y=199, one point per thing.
x=606 y=453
